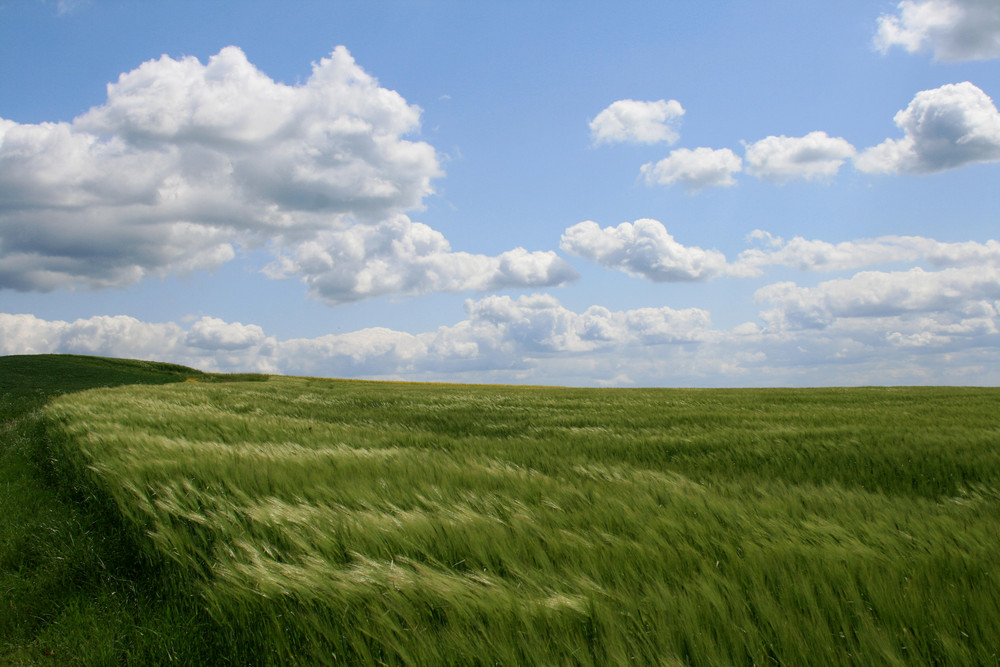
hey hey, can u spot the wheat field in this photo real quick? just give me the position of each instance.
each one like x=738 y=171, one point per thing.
x=338 y=522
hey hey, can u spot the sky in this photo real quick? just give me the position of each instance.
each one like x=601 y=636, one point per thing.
x=673 y=194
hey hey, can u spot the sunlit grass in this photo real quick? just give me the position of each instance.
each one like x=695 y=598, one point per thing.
x=373 y=523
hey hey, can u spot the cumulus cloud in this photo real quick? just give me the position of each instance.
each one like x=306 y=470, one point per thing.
x=646 y=249
x=211 y=333
x=539 y=323
x=333 y=145
x=876 y=294
x=943 y=128
x=782 y=159
x=102 y=335
x=399 y=256
x=643 y=248
x=954 y=30
x=186 y=162
x=694 y=169
x=637 y=122
x=907 y=327
x=375 y=351
x=499 y=333
x=817 y=255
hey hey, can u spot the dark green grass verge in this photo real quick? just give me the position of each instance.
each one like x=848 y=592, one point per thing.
x=72 y=587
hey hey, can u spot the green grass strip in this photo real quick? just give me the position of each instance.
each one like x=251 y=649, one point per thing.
x=73 y=589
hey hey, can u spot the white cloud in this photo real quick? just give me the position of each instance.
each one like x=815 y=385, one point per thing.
x=643 y=248
x=782 y=159
x=877 y=294
x=954 y=30
x=646 y=249
x=368 y=352
x=398 y=256
x=908 y=327
x=695 y=169
x=333 y=145
x=637 y=122
x=186 y=162
x=943 y=128
x=905 y=327
x=540 y=324
x=498 y=334
x=211 y=333
x=816 y=255
x=102 y=335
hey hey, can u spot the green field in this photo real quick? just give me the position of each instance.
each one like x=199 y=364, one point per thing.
x=306 y=521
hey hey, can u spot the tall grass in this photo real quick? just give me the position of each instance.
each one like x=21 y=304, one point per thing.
x=372 y=523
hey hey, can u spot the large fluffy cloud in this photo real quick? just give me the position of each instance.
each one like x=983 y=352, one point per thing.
x=644 y=248
x=332 y=146
x=398 y=256
x=637 y=122
x=782 y=159
x=943 y=128
x=694 y=169
x=186 y=162
x=953 y=29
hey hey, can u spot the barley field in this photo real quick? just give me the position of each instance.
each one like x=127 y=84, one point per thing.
x=316 y=521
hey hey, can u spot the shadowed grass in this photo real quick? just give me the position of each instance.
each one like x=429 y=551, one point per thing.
x=72 y=589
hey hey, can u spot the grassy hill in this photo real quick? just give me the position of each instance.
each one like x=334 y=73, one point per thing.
x=305 y=521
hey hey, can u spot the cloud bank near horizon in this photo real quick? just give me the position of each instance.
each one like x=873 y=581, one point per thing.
x=897 y=327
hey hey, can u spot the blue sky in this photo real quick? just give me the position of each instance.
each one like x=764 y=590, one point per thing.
x=602 y=194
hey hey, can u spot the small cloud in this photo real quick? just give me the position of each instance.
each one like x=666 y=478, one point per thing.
x=782 y=159
x=694 y=169
x=643 y=248
x=211 y=333
x=637 y=122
